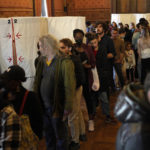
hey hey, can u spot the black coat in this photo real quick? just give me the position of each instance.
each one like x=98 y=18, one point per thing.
x=102 y=64
x=32 y=108
x=79 y=70
x=133 y=110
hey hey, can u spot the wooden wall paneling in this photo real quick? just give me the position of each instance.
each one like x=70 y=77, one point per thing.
x=49 y=7
x=59 y=8
x=148 y=6
x=9 y=8
x=71 y=7
x=141 y=6
x=93 y=10
x=113 y=6
x=38 y=8
x=34 y=11
x=123 y=6
x=52 y=8
x=132 y=6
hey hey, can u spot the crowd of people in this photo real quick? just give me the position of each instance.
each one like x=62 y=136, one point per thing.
x=112 y=57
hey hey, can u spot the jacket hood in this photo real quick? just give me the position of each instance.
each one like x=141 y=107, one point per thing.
x=132 y=105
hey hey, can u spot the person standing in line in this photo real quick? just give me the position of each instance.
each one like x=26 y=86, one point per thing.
x=75 y=119
x=102 y=64
x=130 y=62
x=144 y=51
x=13 y=78
x=133 y=111
x=88 y=62
x=10 y=125
x=55 y=84
x=107 y=42
x=135 y=37
x=120 y=51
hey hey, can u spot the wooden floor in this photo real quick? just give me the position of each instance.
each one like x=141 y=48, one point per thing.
x=104 y=136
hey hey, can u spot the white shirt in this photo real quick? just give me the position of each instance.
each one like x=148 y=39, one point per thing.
x=130 y=59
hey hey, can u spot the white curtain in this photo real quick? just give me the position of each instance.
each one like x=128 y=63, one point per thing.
x=27 y=31
x=62 y=27
x=128 y=18
x=6 y=56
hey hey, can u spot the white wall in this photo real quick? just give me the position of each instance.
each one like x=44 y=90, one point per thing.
x=128 y=18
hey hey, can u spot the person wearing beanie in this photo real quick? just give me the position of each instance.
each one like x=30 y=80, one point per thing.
x=10 y=127
x=13 y=78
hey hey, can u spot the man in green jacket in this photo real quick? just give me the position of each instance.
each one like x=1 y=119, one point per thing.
x=55 y=84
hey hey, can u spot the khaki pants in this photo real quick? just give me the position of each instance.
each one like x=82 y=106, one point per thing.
x=75 y=119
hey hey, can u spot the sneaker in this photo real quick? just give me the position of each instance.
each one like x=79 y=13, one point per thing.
x=91 y=125
x=83 y=138
x=74 y=146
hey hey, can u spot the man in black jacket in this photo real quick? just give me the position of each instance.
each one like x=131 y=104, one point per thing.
x=102 y=64
x=107 y=42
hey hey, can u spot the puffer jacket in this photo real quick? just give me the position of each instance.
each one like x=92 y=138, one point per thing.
x=133 y=111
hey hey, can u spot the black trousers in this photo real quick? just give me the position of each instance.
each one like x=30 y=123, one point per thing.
x=118 y=68
x=145 y=68
x=110 y=73
x=136 y=62
x=89 y=102
x=130 y=74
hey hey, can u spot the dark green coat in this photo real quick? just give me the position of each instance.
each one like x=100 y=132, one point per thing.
x=65 y=84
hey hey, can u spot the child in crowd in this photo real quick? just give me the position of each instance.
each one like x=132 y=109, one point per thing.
x=130 y=62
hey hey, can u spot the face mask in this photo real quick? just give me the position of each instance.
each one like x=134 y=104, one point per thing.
x=79 y=42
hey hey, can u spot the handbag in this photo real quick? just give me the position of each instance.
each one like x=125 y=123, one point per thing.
x=96 y=82
x=29 y=141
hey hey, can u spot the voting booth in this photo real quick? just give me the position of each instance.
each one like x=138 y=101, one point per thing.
x=19 y=37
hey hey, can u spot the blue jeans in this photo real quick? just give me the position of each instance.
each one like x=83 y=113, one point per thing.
x=103 y=97
x=56 y=132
